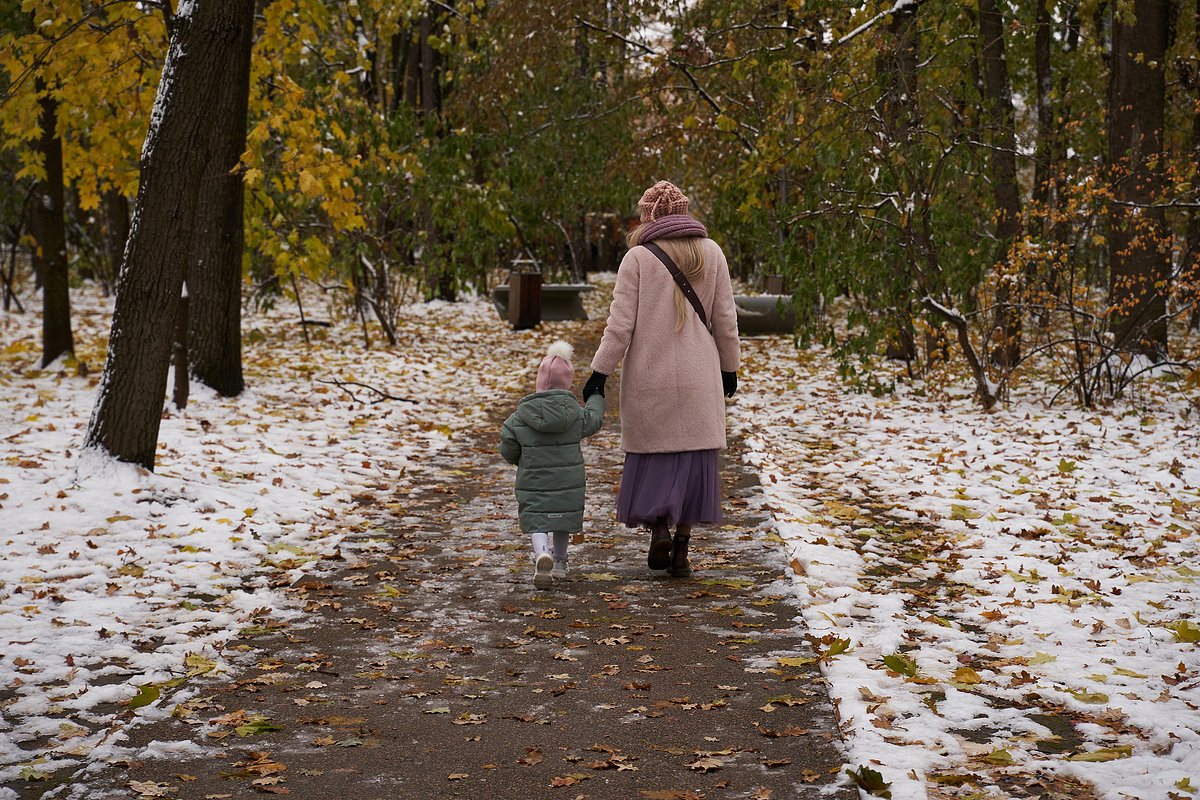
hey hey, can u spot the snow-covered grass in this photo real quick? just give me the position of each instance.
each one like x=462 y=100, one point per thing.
x=116 y=582
x=1030 y=576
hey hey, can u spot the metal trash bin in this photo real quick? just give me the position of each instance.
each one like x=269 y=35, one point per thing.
x=524 y=294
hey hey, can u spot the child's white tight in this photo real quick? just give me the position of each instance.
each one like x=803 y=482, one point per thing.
x=541 y=544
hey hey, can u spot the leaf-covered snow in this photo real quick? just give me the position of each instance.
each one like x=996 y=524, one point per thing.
x=1036 y=568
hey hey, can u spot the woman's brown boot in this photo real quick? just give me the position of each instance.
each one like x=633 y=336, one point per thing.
x=680 y=567
x=660 y=545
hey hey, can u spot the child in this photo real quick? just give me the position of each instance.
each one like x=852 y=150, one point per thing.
x=542 y=438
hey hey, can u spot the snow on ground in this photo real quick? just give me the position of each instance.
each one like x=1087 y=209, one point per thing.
x=1030 y=577
x=116 y=584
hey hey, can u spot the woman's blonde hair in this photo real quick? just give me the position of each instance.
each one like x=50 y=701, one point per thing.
x=688 y=256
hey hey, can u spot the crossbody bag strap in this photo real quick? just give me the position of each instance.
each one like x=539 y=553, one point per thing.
x=685 y=285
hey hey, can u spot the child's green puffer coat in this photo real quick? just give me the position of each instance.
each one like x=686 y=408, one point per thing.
x=542 y=438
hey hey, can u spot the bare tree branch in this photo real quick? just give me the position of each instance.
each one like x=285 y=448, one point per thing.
x=899 y=5
x=381 y=395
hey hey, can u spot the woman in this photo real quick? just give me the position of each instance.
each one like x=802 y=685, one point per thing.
x=672 y=411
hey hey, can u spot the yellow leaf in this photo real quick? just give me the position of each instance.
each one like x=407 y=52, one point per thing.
x=308 y=184
x=967 y=675
x=796 y=661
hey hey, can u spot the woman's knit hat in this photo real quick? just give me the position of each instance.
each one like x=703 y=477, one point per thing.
x=661 y=200
x=555 y=371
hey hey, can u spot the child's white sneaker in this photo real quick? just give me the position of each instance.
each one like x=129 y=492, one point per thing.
x=560 y=569
x=543 y=577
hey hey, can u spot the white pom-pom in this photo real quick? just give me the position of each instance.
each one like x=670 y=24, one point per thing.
x=561 y=349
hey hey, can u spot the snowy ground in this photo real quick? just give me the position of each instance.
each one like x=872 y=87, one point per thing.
x=117 y=585
x=1029 y=576
x=1007 y=603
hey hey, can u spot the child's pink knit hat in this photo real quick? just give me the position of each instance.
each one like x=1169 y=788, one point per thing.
x=660 y=200
x=555 y=371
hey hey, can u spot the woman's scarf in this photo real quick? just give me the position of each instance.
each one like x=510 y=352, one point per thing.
x=672 y=226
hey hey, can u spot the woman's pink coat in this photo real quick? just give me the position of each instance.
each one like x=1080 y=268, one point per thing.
x=671 y=394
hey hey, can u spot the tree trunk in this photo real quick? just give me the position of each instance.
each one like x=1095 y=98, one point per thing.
x=442 y=278
x=125 y=420
x=1192 y=248
x=431 y=95
x=49 y=232
x=1139 y=258
x=900 y=115
x=412 y=72
x=179 y=353
x=1002 y=165
x=215 y=263
x=400 y=47
x=116 y=233
x=1045 y=146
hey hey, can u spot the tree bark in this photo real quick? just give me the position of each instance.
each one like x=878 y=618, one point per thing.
x=49 y=232
x=442 y=279
x=900 y=115
x=1139 y=258
x=218 y=241
x=125 y=420
x=1002 y=165
x=179 y=354
x=116 y=233
x=1191 y=270
x=1045 y=147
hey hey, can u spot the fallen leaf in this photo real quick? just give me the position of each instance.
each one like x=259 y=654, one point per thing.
x=532 y=757
x=999 y=757
x=1104 y=754
x=967 y=675
x=870 y=781
x=706 y=764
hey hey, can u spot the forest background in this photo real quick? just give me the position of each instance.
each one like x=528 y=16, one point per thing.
x=1008 y=187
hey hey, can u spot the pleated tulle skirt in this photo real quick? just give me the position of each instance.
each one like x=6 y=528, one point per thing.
x=683 y=487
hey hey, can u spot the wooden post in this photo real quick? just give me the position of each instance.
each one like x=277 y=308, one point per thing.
x=773 y=284
x=524 y=295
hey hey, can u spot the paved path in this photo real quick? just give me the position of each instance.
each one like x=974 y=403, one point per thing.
x=433 y=669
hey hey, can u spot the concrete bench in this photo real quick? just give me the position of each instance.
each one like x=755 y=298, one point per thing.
x=765 y=313
x=559 y=301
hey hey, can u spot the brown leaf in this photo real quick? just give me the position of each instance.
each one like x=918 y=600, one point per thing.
x=791 y=730
x=532 y=757
x=670 y=794
x=706 y=764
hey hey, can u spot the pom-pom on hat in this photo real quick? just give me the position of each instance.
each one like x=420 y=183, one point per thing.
x=660 y=200
x=555 y=371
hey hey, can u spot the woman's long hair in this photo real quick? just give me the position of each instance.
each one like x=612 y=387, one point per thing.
x=688 y=256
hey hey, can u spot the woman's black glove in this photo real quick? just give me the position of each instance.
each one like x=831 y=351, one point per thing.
x=728 y=381
x=594 y=385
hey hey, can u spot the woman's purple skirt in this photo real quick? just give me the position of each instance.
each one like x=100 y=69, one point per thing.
x=683 y=487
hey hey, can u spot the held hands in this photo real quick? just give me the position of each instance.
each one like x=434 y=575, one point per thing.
x=594 y=385
x=728 y=382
